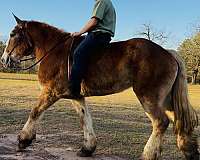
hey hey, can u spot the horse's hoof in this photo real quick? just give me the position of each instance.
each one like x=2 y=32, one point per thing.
x=23 y=143
x=84 y=152
x=19 y=149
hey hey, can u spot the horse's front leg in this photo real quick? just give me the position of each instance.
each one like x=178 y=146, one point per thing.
x=28 y=132
x=90 y=141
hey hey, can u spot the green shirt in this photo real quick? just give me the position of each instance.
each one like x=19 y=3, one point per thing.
x=105 y=12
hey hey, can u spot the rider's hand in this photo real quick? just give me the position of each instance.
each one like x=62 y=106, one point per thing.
x=76 y=34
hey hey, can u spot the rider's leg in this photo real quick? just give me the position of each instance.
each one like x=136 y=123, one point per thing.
x=81 y=56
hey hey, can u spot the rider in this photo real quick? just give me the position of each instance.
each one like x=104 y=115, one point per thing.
x=100 y=28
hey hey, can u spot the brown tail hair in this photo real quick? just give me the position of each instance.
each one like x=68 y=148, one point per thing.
x=186 y=118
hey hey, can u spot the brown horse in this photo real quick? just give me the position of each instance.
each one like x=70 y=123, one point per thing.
x=156 y=75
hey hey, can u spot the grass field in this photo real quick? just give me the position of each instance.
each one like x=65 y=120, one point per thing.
x=121 y=126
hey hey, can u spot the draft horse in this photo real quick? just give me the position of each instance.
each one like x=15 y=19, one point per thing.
x=156 y=75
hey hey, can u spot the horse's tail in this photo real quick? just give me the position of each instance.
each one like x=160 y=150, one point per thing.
x=186 y=118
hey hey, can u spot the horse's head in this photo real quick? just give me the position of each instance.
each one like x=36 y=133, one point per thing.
x=18 y=45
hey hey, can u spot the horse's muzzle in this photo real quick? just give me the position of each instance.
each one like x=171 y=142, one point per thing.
x=5 y=60
x=9 y=62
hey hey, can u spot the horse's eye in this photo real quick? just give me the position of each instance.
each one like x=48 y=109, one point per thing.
x=12 y=34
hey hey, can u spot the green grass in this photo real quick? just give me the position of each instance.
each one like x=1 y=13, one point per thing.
x=121 y=126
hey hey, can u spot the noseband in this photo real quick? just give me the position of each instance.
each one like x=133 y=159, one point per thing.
x=30 y=49
x=47 y=53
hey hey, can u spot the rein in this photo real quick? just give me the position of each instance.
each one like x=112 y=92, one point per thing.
x=46 y=55
x=27 y=59
x=43 y=57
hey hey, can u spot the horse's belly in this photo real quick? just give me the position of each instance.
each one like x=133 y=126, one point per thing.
x=107 y=82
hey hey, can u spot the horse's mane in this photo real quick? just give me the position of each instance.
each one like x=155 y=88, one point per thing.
x=46 y=28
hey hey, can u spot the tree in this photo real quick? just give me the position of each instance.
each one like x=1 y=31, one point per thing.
x=2 y=47
x=190 y=52
x=149 y=32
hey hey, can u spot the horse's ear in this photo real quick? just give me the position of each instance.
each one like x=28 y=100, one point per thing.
x=19 y=21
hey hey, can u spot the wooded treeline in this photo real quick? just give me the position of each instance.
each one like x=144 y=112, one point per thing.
x=190 y=52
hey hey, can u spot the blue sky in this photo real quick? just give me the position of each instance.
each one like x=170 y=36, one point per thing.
x=174 y=16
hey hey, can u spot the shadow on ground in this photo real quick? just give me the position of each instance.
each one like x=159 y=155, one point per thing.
x=8 y=152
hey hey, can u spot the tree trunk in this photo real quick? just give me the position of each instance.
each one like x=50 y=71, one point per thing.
x=194 y=76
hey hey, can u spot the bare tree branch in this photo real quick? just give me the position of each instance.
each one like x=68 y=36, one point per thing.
x=148 y=31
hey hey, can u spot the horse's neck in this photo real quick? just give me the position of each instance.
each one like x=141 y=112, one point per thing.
x=46 y=39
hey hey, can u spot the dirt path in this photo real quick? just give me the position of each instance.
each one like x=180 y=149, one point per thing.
x=8 y=152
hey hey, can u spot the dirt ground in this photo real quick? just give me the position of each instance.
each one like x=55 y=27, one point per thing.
x=120 y=124
x=8 y=152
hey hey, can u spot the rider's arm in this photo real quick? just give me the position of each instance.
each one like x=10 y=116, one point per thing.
x=88 y=27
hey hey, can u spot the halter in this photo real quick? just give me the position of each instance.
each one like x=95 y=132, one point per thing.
x=46 y=55
x=28 y=51
x=31 y=47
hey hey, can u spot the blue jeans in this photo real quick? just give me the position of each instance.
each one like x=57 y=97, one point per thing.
x=81 y=56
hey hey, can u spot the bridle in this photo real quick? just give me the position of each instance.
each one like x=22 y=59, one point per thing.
x=28 y=51
x=46 y=54
x=31 y=47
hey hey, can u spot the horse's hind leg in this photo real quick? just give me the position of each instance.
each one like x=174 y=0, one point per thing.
x=160 y=122
x=89 y=145
x=28 y=132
